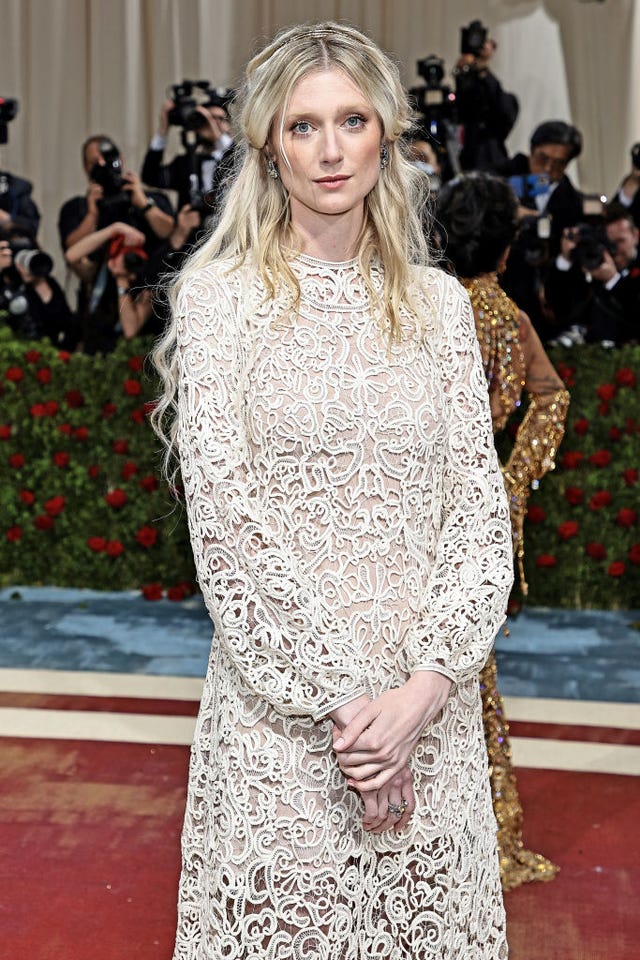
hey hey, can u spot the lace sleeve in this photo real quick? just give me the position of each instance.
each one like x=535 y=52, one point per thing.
x=466 y=594
x=265 y=614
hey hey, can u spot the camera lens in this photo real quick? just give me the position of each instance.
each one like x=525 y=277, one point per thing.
x=36 y=262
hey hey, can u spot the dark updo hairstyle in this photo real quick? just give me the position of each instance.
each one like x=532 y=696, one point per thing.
x=477 y=221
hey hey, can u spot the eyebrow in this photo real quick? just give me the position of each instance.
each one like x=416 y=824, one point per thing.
x=362 y=107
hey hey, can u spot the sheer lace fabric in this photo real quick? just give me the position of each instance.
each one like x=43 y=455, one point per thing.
x=349 y=526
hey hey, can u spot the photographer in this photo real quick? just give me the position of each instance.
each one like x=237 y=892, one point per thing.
x=117 y=303
x=35 y=303
x=594 y=283
x=17 y=209
x=486 y=112
x=628 y=195
x=206 y=138
x=113 y=195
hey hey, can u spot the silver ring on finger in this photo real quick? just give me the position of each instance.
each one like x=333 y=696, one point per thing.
x=397 y=809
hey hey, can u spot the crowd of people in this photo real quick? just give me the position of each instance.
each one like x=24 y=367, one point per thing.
x=577 y=276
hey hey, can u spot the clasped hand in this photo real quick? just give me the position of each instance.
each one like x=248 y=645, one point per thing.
x=375 y=739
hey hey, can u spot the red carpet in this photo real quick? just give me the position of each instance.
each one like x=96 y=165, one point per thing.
x=90 y=840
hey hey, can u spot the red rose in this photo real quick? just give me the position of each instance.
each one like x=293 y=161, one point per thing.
x=54 y=506
x=38 y=410
x=52 y=407
x=603 y=409
x=137 y=415
x=625 y=377
x=114 y=548
x=572 y=459
x=74 y=398
x=64 y=356
x=43 y=522
x=93 y=470
x=27 y=497
x=147 y=536
x=626 y=517
x=120 y=446
x=630 y=426
x=61 y=458
x=44 y=375
x=81 y=433
x=595 y=550
x=607 y=392
x=66 y=429
x=546 y=560
x=132 y=387
x=135 y=363
x=17 y=461
x=615 y=433
x=97 y=544
x=176 y=593
x=630 y=476
x=14 y=374
x=129 y=470
x=634 y=553
x=600 y=499
x=616 y=569
x=574 y=496
x=581 y=426
x=108 y=410
x=152 y=591
x=601 y=458
x=116 y=498
x=14 y=533
x=568 y=529
x=149 y=406
x=149 y=483
x=5 y=431
x=567 y=374
x=32 y=356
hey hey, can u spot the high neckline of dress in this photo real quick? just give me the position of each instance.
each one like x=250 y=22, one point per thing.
x=326 y=264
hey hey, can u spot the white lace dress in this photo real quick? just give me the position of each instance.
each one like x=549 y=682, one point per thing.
x=349 y=526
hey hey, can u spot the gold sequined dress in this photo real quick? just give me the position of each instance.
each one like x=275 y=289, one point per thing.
x=533 y=454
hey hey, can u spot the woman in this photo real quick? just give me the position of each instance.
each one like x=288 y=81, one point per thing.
x=350 y=530
x=477 y=215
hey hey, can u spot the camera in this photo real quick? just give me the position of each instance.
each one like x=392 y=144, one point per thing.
x=635 y=155
x=473 y=38
x=191 y=94
x=591 y=246
x=532 y=240
x=529 y=186
x=8 y=112
x=436 y=103
x=108 y=174
x=36 y=262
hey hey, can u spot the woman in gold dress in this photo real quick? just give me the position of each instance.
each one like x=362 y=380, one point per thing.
x=477 y=223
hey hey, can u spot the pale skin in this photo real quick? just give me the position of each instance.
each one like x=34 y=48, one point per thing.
x=327 y=152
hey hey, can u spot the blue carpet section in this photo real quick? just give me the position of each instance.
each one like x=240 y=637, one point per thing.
x=582 y=655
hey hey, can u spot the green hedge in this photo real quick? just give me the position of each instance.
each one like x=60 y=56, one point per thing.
x=83 y=504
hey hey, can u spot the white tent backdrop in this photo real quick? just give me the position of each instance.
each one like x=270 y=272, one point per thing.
x=86 y=66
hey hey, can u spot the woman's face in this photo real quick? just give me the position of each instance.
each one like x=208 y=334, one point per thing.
x=329 y=156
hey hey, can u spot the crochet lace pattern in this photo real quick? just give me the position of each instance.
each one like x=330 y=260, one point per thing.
x=350 y=526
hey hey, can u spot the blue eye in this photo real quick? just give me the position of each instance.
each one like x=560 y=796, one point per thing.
x=302 y=126
x=354 y=122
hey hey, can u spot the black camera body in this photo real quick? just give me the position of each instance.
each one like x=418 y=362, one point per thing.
x=473 y=38
x=8 y=112
x=590 y=248
x=109 y=173
x=191 y=94
x=635 y=155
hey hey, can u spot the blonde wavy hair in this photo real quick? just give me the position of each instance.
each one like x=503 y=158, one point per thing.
x=255 y=219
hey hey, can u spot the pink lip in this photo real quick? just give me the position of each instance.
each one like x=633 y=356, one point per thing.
x=338 y=179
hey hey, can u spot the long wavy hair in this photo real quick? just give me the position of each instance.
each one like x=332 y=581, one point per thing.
x=255 y=218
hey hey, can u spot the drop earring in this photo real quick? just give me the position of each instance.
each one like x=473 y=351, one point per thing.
x=384 y=156
x=272 y=170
